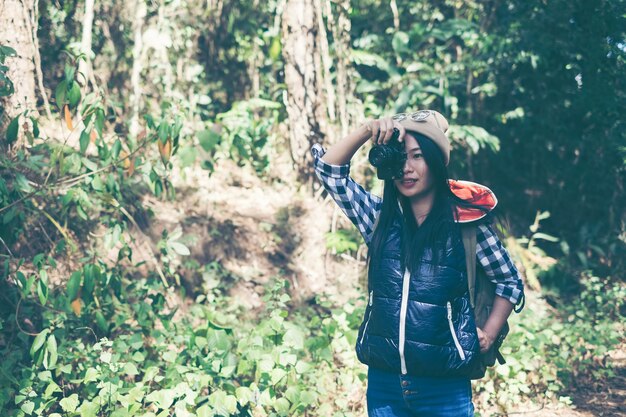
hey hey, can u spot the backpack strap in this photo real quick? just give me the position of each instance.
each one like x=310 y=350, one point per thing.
x=469 y=243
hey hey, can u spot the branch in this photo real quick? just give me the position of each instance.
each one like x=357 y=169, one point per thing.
x=73 y=180
x=17 y=313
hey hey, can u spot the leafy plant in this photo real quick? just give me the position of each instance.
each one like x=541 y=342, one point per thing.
x=6 y=85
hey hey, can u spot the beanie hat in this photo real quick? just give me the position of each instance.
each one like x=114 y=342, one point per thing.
x=429 y=123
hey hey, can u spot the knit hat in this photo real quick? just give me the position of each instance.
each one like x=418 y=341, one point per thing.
x=429 y=123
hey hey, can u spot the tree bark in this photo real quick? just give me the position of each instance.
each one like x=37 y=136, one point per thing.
x=341 y=35
x=327 y=61
x=84 y=67
x=135 y=78
x=304 y=101
x=16 y=32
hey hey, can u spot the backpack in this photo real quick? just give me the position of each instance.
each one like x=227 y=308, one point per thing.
x=482 y=292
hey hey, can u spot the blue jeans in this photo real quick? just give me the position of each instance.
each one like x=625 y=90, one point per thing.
x=395 y=395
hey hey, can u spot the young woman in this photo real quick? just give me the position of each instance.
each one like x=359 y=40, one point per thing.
x=418 y=335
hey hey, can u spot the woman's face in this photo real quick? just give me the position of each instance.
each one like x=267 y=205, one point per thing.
x=417 y=180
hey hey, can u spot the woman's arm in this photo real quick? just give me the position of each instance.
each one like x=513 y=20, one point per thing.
x=501 y=270
x=333 y=169
x=379 y=131
x=342 y=152
x=500 y=312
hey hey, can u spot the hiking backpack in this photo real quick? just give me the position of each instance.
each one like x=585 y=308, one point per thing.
x=482 y=292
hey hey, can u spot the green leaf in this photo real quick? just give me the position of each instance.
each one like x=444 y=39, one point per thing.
x=60 y=94
x=84 y=141
x=281 y=405
x=302 y=367
x=204 y=411
x=70 y=71
x=101 y=322
x=208 y=165
x=39 y=341
x=116 y=148
x=42 y=292
x=6 y=85
x=223 y=403
x=21 y=278
x=97 y=184
x=73 y=284
x=28 y=407
x=276 y=375
x=99 y=123
x=29 y=285
x=130 y=369
x=90 y=279
x=35 y=127
x=89 y=409
x=294 y=337
x=91 y=375
x=73 y=96
x=89 y=164
x=293 y=394
x=208 y=139
x=308 y=397
x=400 y=43
x=275 y=48
x=244 y=395
x=6 y=51
x=158 y=188
x=179 y=248
x=12 y=130
x=373 y=60
x=170 y=356
x=51 y=389
x=176 y=128
x=69 y=404
x=52 y=351
x=164 y=131
x=163 y=399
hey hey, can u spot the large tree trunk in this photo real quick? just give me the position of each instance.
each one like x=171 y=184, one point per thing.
x=16 y=31
x=304 y=101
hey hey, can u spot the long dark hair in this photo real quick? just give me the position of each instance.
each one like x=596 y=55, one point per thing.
x=439 y=225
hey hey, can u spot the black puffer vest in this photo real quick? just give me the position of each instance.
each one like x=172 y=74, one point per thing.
x=418 y=323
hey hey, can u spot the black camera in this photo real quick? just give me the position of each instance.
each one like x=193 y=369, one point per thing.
x=389 y=158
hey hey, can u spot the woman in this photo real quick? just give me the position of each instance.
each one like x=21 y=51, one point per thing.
x=418 y=335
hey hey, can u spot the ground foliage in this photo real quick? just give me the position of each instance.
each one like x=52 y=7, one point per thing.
x=535 y=96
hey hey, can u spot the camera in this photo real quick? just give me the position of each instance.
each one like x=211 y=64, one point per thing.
x=389 y=158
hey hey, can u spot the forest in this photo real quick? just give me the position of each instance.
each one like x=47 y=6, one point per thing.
x=167 y=250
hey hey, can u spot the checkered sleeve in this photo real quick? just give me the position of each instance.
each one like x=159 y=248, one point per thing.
x=499 y=267
x=361 y=206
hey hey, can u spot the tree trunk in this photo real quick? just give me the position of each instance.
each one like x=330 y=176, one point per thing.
x=327 y=61
x=84 y=67
x=135 y=78
x=304 y=101
x=16 y=32
x=341 y=35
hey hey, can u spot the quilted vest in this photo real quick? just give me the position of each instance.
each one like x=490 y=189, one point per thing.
x=418 y=323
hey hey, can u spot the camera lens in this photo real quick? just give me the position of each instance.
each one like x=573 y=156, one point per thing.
x=379 y=154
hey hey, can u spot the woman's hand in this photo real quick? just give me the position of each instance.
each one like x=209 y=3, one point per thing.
x=382 y=129
x=378 y=131
x=485 y=340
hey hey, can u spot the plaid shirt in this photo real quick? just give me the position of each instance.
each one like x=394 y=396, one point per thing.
x=362 y=208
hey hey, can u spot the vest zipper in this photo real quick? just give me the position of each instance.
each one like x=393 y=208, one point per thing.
x=456 y=340
x=403 y=306
x=369 y=316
